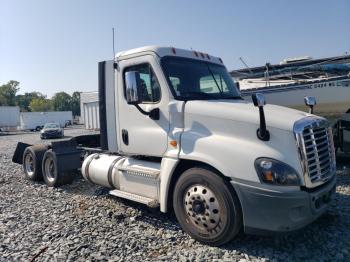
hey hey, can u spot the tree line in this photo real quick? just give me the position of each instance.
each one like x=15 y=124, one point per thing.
x=38 y=102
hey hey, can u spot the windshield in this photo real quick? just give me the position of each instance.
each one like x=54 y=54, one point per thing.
x=193 y=79
x=51 y=125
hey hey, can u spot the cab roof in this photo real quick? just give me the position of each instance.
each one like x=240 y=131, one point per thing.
x=170 y=51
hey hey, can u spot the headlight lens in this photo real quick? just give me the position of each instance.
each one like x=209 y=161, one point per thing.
x=275 y=172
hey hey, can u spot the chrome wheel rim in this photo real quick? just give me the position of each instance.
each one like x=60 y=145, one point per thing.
x=29 y=164
x=202 y=208
x=50 y=169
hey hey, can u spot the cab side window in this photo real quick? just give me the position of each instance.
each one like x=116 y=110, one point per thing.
x=150 y=88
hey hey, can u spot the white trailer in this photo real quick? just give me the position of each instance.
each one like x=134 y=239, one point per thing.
x=36 y=120
x=89 y=110
x=9 y=117
x=287 y=83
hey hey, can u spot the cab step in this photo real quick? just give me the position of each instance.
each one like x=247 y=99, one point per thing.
x=137 y=198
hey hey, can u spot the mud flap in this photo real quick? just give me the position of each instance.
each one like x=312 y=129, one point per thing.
x=67 y=154
x=18 y=155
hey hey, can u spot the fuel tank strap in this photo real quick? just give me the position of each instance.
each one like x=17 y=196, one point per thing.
x=110 y=172
x=87 y=175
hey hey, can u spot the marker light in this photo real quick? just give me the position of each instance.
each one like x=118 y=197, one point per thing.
x=173 y=143
x=268 y=176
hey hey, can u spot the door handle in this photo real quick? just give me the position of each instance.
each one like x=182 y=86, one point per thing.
x=125 y=136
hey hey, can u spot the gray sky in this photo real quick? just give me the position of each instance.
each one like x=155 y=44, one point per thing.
x=51 y=46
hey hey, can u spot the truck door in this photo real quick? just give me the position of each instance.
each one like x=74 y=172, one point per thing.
x=138 y=133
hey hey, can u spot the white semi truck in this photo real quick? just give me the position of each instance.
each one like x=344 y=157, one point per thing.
x=176 y=134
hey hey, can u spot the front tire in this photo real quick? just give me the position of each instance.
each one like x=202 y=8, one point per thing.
x=206 y=207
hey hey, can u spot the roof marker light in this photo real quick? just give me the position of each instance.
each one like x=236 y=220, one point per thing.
x=174 y=51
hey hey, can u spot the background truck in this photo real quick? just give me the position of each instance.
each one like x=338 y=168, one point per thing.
x=36 y=120
x=176 y=134
x=9 y=117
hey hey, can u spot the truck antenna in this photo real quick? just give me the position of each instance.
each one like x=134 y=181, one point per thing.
x=244 y=63
x=113 y=43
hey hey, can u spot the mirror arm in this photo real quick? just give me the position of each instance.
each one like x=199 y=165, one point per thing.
x=262 y=132
x=153 y=114
x=141 y=110
x=259 y=101
x=311 y=109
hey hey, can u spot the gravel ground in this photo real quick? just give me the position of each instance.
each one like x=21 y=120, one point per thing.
x=80 y=222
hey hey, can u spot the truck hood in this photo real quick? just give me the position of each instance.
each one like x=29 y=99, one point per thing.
x=243 y=111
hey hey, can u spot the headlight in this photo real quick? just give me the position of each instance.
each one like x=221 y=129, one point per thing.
x=275 y=172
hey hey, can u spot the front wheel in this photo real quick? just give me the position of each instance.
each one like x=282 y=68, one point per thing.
x=206 y=208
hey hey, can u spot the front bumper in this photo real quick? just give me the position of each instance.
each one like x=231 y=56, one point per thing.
x=274 y=209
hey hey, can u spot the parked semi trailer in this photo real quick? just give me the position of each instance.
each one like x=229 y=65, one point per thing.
x=9 y=117
x=287 y=83
x=36 y=120
x=176 y=134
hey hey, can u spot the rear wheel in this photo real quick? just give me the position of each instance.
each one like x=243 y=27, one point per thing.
x=32 y=157
x=52 y=176
x=206 y=208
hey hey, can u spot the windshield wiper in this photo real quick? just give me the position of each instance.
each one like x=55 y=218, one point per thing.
x=221 y=92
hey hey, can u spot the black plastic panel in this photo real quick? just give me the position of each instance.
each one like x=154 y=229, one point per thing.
x=102 y=104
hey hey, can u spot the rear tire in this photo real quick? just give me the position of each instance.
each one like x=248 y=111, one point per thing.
x=206 y=207
x=51 y=174
x=32 y=158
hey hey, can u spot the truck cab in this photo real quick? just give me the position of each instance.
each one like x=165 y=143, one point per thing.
x=176 y=134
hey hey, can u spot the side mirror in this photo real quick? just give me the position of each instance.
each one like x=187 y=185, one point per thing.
x=133 y=87
x=258 y=99
x=133 y=92
x=310 y=101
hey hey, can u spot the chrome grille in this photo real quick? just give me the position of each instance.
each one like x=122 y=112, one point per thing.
x=315 y=142
x=318 y=153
